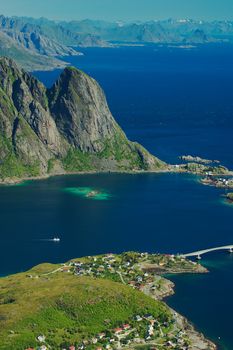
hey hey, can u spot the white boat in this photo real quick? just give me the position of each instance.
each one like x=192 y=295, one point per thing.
x=56 y=239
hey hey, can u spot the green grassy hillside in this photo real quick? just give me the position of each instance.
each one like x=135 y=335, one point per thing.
x=66 y=308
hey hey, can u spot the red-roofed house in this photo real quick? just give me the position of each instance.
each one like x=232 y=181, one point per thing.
x=126 y=326
x=118 y=330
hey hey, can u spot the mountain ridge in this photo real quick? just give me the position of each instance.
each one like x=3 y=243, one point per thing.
x=26 y=58
x=42 y=42
x=156 y=31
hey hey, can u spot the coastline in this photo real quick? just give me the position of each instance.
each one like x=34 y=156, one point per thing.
x=198 y=339
x=15 y=180
x=170 y=169
x=201 y=343
x=181 y=325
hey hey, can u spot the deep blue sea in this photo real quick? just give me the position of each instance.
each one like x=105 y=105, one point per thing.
x=174 y=101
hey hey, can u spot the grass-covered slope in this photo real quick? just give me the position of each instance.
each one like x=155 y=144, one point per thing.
x=66 y=308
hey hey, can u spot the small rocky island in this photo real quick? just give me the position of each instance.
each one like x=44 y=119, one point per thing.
x=88 y=193
x=97 y=302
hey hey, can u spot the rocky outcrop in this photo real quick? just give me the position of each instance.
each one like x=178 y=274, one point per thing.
x=67 y=128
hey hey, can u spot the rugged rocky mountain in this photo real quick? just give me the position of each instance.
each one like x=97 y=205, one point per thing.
x=197 y=37
x=35 y=43
x=40 y=44
x=169 y=31
x=49 y=30
x=49 y=37
x=26 y=58
x=67 y=128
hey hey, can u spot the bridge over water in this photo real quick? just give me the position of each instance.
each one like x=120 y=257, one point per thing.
x=199 y=253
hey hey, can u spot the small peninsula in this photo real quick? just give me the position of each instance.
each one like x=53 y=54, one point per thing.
x=220 y=182
x=197 y=159
x=107 y=301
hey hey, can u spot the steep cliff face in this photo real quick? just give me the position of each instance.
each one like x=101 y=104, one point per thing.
x=80 y=110
x=66 y=128
x=29 y=136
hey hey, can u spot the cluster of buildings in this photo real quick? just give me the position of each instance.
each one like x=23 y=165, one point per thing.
x=143 y=329
x=218 y=181
x=127 y=268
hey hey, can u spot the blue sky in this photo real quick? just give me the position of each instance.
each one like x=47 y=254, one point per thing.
x=126 y=10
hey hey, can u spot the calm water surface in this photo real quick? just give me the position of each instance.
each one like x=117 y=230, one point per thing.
x=174 y=102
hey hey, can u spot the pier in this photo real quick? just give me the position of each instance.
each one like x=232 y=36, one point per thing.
x=199 y=253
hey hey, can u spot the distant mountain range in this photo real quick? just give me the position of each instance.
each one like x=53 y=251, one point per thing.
x=34 y=43
x=166 y=32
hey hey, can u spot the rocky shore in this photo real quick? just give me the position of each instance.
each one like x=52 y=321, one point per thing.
x=197 y=159
x=197 y=339
x=220 y=182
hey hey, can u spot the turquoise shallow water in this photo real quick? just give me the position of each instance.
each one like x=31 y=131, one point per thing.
x=88 y=193
x=174 y=102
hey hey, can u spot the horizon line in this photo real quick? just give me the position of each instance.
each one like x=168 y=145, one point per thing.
x=120 y=20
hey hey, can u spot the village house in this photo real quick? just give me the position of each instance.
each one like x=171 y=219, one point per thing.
x=118 y=330
x=94 y=340
x=132 y=283
x=148 y=317
x=101 y=335
x=151 y=330
x=72 y=347
x=138 y=318
x=43 y=347
x=41 y=338
x=65 y=269
x=126 y=327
